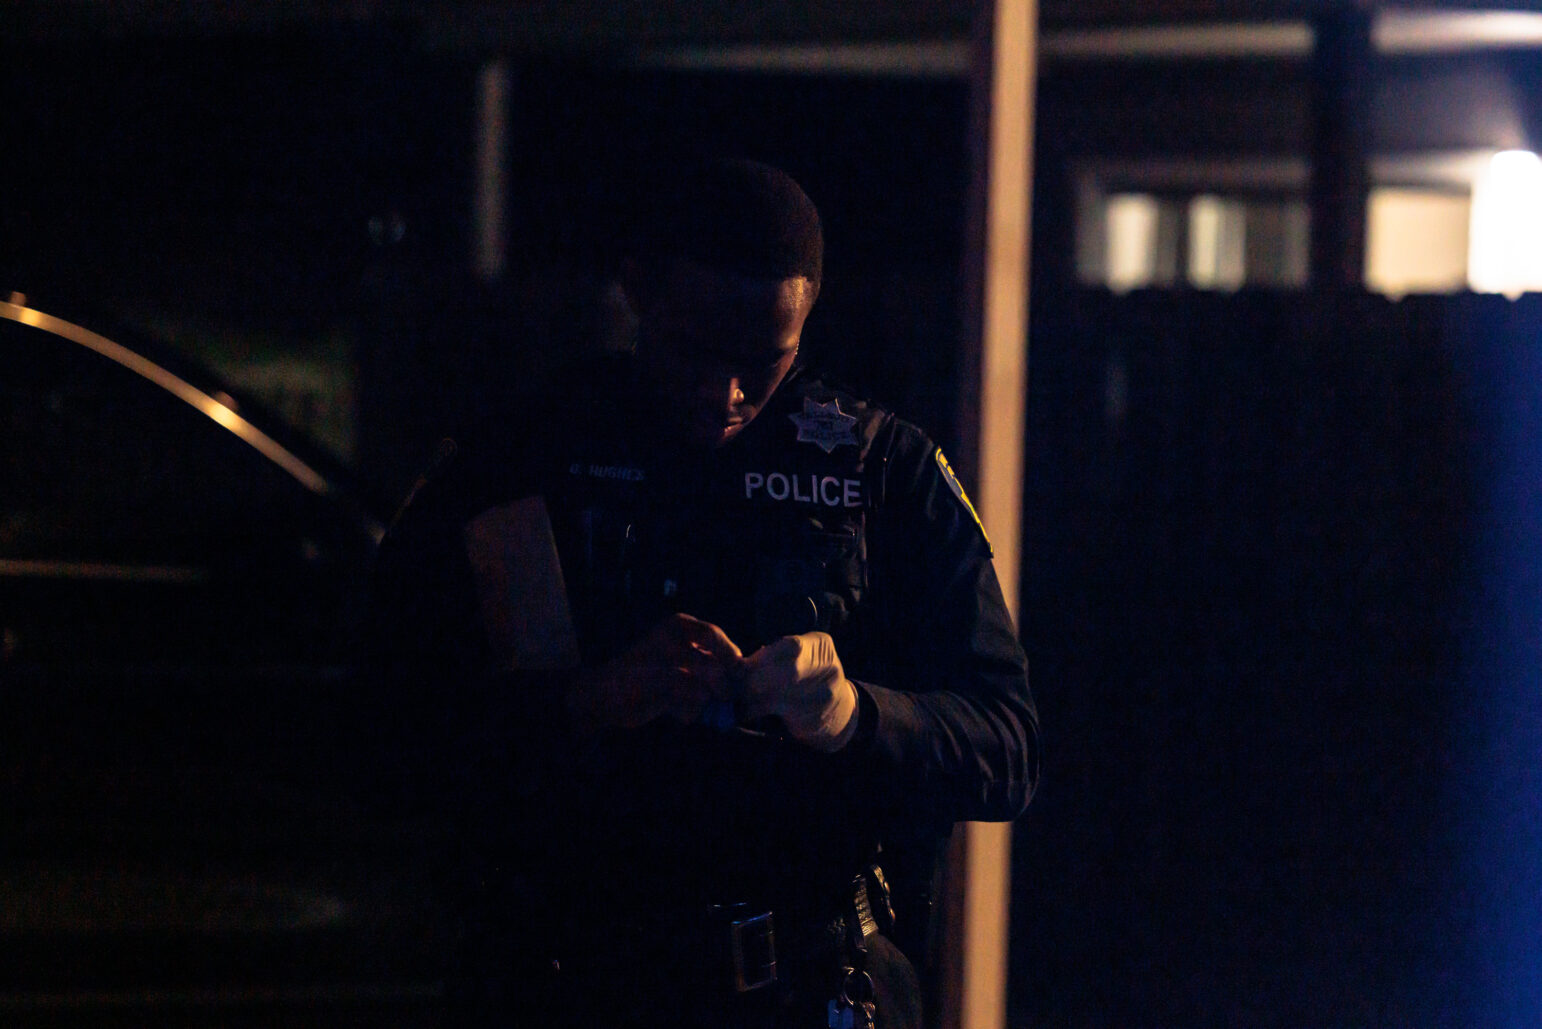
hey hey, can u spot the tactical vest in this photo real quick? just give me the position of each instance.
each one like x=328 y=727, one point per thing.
x=765 y=538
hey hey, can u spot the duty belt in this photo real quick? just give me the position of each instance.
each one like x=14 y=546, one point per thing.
x=737 y=946
x=748 y=937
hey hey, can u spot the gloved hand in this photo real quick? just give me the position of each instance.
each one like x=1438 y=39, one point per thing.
x=799 y=680
x=674 y=672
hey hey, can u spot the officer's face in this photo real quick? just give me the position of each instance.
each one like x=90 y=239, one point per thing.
x=714 y=345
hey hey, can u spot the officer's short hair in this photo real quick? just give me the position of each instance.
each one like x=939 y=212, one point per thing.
x=732 y=214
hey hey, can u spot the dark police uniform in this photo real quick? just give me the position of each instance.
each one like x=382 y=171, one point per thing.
x=652 y=872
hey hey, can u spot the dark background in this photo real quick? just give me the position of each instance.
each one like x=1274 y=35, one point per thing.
x=1279 y=577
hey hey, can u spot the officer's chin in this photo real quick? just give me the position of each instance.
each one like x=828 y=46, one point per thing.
x=728 y=433
x=708 y=433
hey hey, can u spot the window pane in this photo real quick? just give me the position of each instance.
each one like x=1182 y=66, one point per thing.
x=1130 y=259
x=1416 y=241
x=1217 y=242
x=134 y=526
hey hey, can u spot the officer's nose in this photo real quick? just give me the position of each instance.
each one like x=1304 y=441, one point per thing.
x=728 y=394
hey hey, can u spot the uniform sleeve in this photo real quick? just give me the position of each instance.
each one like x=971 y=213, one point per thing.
x=950 y=725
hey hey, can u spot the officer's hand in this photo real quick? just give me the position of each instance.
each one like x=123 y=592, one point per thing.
x=799 y=680
x=680 y=666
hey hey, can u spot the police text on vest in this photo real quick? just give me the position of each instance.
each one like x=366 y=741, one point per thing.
x=825 y=490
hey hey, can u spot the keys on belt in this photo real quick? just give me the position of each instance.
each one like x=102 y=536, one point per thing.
x=854 y=1007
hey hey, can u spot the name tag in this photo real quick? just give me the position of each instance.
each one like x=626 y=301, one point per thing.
x=803 y=488
x=615 y=472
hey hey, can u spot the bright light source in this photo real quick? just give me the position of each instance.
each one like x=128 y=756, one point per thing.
x=1505 y=242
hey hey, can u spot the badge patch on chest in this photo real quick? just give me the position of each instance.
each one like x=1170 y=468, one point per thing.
x=958 y=491
x=825 y=425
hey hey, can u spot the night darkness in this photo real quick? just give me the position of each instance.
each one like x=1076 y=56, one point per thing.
x=1280 y=590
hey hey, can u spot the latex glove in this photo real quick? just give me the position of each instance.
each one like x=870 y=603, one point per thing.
x=673 y=672
x=799 y=680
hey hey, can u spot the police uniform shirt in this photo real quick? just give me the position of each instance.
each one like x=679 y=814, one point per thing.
x=824 y=513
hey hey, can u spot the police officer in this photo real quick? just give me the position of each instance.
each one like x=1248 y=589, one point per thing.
x=709 y=655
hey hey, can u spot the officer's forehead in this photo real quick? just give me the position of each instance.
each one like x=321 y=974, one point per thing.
x=688 y=288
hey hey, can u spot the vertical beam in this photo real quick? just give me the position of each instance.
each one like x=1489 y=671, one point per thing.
x=492 y=118
x=991 y=434
x=1003 y=364
x=1340 y=183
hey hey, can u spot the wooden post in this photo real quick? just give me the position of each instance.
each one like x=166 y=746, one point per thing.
x=991 y=432
x=492 y=117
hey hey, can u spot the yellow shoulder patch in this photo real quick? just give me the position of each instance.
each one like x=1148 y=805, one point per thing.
x=963 y=498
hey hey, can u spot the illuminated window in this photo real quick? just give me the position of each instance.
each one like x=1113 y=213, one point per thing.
x=1437 y=221
x=1208 y=241
x=1217 y=241
x=1130 y=234
x=1416 y=241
